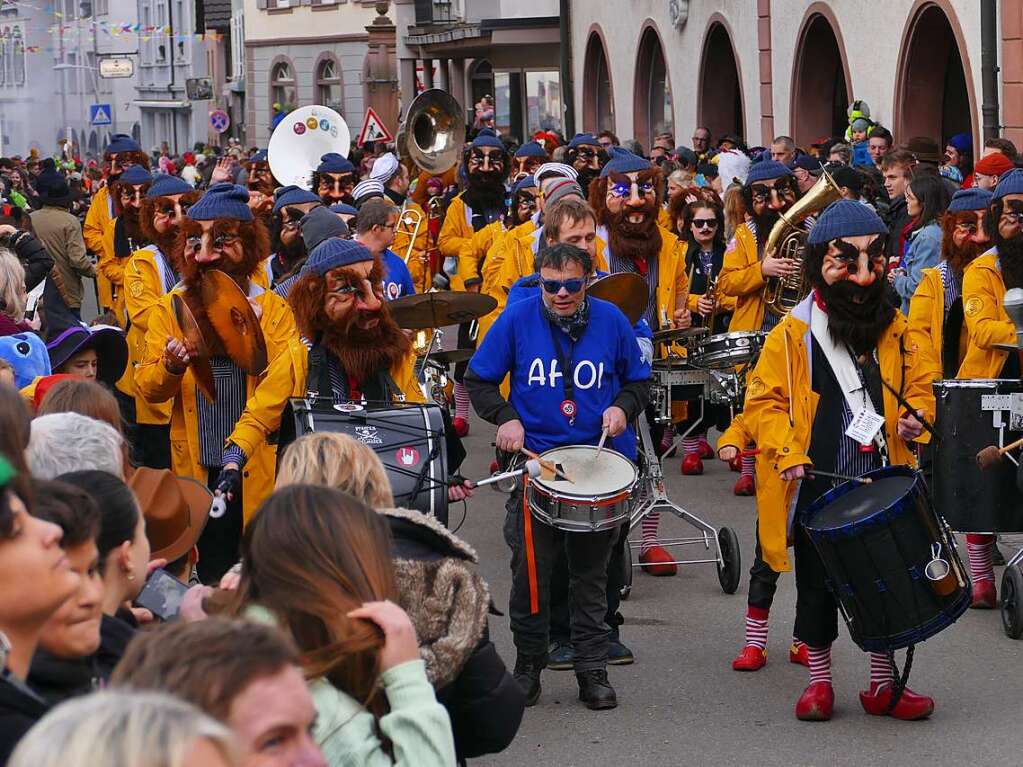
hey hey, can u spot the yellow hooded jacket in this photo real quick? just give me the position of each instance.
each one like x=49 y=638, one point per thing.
x=927 y=320
x=97 y=222
x=781 y=407
x=986 y=320
x=742 y=279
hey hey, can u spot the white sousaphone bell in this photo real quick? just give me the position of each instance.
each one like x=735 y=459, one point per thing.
x=301 y=139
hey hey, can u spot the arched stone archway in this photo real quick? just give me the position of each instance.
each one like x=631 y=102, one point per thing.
x=652 y=104
x=598 y=98
x=820 y=83
x=933 y=93
x=720 y=106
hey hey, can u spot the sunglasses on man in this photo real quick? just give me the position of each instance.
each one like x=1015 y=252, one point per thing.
x=554 y=286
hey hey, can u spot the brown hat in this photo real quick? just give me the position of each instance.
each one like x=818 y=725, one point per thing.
x=175 y=509
x=924 y=149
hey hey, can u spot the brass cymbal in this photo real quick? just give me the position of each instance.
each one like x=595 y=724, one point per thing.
x=235 y=321
x=200 y=362
x=439 y=309
x=627 y=291
x=678 y=334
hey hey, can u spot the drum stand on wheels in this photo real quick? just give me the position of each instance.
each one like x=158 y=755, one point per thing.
x=654 y=498
x=1011 y=598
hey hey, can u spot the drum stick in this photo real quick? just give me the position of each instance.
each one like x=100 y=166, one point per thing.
x=991 y=455
x=843 y=477
x=910 y=410
x=600 y=445
x=547 y=465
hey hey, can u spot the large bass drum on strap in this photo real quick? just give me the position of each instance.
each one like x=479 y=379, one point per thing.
x=408 y=438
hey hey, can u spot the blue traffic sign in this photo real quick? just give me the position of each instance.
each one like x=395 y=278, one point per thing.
x=99 y=114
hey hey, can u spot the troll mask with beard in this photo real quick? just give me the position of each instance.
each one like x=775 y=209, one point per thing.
x=627 y=204
x=1003 y=221
x=128 y=233
x=486 y=168
x=235 y=247
x=963 y=238
x=160 y=219
x=344 y=311
x=768 y=198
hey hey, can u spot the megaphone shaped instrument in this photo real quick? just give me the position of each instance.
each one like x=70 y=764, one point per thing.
x=433 y=132
x=301 y=138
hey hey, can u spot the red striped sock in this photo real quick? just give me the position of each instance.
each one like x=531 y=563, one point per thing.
x=749 y=464
x=756 y=626
x=648 y=528
x=820 y=664
x=980 y=548
x=461 y=401
x=690 y=445
x=881 y=672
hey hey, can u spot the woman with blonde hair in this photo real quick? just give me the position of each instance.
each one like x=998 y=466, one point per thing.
x=126 y=729
x=12 y=295
x=437 y=586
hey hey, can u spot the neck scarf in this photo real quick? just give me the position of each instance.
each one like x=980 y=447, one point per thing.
x=574 y=324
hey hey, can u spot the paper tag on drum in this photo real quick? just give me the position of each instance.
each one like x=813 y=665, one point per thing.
x=864 y=426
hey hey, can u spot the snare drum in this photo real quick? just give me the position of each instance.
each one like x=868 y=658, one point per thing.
x=599 y=498
x=970 y=416
x=891 y=562
x=726 y=350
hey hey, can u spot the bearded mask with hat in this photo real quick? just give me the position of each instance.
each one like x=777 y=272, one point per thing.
x=123 y=149
x=236 y=242
x=632 y=221
x=167 y=193
x=485 y=178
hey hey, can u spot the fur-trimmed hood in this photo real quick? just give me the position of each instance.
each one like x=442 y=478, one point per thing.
x=438 y=586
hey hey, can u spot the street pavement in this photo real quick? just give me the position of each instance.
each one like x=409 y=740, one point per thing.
x=681 y=703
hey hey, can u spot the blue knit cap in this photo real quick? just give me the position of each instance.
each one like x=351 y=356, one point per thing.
x=623 y=161
x=845 y=218
x=166 y=185
x=487 y=137
x=1009 y=183
x=531 y=149
x=292 y=195
x=259 y=156
x=765 y=170
x=222 y=200
x=122 y=142
x=974 y=198
x=344 y=209
x=335 y=253
x=961 y=142
x=136 y=174
x=527 y=182
x=583 y=139
x=332 y=162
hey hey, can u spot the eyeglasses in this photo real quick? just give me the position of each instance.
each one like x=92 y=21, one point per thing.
x=622 y=191
x=967 y=227
x=555 y=286
x=528 y=200
x=1014 y=216
x=220 y=242
x=705 y=223
x=586 y=153
x=762 y=194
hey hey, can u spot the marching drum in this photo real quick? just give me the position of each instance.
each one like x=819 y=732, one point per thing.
x=599 y=497
x=891 y=561
x=408 y=438
x=673 y=380
x=726 y=350
x=971 y=416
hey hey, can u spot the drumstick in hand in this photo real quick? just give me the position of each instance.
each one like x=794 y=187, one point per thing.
x=991 y=455
x=548 y=465
x=600 y=445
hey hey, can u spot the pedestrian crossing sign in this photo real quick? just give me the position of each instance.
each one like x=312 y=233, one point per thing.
x=99 y=114
x=373 y=129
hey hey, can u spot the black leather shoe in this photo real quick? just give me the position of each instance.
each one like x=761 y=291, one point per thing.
x=595 y=691
x=527 y=675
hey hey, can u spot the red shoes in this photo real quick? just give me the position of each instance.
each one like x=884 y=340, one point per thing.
x=706 y=451
x=909 y=708
x=657 y=561
x=461 y=427
x=692 y=465
x=750 y=658
x=799 y=653
x=817 y=703
x=745 y=486
x=984 y=595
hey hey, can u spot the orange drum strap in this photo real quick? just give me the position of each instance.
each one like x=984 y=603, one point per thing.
x=527 y=524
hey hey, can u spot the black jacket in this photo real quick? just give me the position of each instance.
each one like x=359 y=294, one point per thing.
x=114 y=635
x=20 y=708
x=448 y=603
x=35 y=259
x=57 y=679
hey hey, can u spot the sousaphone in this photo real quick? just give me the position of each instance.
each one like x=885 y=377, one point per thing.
x=433 y=132
x=301 y=138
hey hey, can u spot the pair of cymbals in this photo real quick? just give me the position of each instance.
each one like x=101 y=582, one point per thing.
x=234 y=321
x=439 y=309
x=626 y=290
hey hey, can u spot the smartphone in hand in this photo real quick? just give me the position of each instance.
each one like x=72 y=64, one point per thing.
x=162 y=595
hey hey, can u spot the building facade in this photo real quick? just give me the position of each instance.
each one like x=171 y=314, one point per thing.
x=302 y=52
x=761 y=68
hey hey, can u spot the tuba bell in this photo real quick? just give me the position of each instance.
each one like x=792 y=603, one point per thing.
x=301 y=138
x=787 y=239
x=433 y=132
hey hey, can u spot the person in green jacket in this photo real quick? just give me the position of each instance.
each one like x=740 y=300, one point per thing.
x=317 y=563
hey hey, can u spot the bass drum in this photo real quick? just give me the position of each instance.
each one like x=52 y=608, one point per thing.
x=968 y=414
x=408 y=438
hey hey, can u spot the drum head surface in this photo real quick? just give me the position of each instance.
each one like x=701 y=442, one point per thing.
x=607 y=474
x=861 y=502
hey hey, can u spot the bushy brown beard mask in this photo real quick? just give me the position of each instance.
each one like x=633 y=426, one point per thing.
x=1010 y=251
x=857 y=316
x=167 y=241
x=255 y=248
x=363 y=352
x=640 y=241
x=137 y=158
x=958 y=256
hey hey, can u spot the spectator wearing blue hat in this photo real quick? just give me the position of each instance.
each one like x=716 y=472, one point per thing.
x=959 y=155
x=121 y=153
x=587 y=157
x=217 y=438
x=845 y=330
x=485 y=167
x=334 y=179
